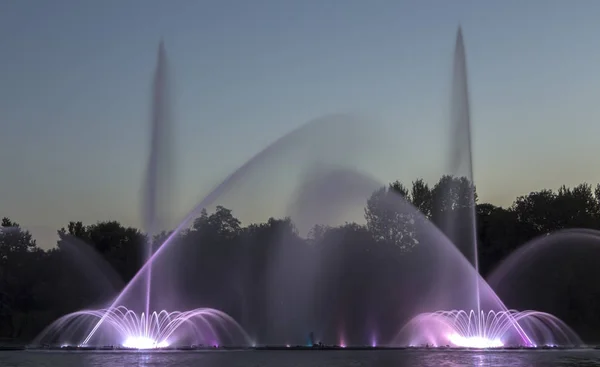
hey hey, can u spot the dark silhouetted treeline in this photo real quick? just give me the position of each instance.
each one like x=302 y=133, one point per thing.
x=235 y=268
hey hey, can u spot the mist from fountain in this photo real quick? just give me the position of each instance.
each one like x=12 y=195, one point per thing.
x=313 y=142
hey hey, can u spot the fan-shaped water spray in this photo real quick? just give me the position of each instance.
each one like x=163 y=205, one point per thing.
x=124 y=327
x=459 y=328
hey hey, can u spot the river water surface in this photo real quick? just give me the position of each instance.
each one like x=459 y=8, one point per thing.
x=380 y=358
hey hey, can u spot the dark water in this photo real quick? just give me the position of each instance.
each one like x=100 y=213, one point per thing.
x=301 y=358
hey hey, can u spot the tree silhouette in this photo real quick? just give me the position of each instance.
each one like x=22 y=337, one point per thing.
x=390 y=216
x=18 y=254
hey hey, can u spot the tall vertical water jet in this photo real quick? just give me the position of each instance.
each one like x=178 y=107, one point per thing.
x=154 y=195
x=462 y=226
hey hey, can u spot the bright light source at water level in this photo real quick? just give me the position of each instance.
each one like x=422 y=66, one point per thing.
x=474 y=341
x=142 y=342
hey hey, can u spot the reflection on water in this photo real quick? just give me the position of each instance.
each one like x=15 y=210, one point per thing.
x=399 y=358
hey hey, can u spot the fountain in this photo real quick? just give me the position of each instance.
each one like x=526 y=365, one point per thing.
x=483 y=330
x=127 y=329
x=477 y=327
x=141 y=327
x=453 y=303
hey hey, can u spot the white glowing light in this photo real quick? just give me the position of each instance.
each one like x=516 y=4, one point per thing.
x=142 y=342
x=474 y=341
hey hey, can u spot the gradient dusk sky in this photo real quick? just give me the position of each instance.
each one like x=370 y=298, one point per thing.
x=76 y=76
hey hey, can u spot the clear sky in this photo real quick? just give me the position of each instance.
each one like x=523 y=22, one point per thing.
x=75 y=79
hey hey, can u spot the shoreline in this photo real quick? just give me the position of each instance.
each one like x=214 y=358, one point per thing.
x=283 y=348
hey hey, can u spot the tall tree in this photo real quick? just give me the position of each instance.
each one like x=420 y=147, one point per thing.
x=17 y=274
x=391 y=218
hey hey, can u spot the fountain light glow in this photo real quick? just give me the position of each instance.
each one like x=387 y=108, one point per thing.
x=474 y=341
x=142 y=342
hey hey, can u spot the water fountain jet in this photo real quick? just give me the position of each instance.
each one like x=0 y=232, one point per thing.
x=120 y=325
x=477 y=328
